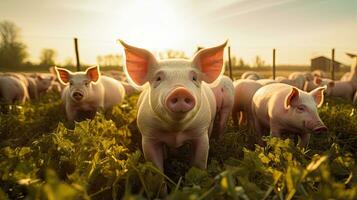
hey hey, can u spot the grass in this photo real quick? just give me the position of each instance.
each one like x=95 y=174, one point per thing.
x=43 y=157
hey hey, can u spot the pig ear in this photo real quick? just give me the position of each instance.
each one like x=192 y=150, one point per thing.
x=63 y=75
x=293 y=95
x=93 y=73
x=318 y=95
x=210 y=62
x=317 y=80
x=39 y=77
x=137 y=63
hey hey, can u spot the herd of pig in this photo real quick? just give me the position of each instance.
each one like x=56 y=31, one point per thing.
x=189 y=100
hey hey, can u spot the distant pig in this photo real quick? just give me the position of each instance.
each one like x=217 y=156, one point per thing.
x=176 y=105
x=224 y=94
x=88 y=92
x=244 y=91
x=12 y=90
x=250 y=75
x=38 y=85
x=280 y=108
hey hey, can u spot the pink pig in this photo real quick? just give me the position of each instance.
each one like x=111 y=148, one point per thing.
x=176 y=105
x=244 y=91
x=224 y=94
x=279 y=108
x=250 y=75
x=88 y=92
x=12 y=90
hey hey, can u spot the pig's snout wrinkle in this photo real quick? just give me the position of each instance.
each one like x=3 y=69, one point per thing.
x=77 y=96
x=180 y=100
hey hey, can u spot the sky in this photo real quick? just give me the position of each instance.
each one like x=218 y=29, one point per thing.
x=298 y=29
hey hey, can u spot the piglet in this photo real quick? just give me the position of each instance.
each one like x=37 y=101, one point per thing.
x=244 y=91
x=88 y=92
x=250 y=75
x=12 y=89
x=224 y=94
x=176 y=105
x=279 y=108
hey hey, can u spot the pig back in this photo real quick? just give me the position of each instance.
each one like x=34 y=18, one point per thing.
x=114 y=91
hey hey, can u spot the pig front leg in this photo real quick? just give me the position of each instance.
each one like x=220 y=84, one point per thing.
x=304 y=140
x=153 y=152
x=200 y=147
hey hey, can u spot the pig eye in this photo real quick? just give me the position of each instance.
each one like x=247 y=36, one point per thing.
x=86 y=84
x=71 y=83
x=158 y=79
x=301 y=108
x=194 y=77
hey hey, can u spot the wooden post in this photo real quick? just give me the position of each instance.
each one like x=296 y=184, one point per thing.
x=274 y=68
x=77 y=54
x=230 y=62
x=332 y=65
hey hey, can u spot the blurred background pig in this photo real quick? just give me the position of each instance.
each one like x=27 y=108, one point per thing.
x=279 y=108
x=88 y=92
x=176 y=105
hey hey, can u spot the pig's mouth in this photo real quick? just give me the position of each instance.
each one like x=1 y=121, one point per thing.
x=77 y=96
x=317 y=127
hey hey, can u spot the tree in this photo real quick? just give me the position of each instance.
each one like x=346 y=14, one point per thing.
x=12 y=50
x=259 y=62
x=48 y=57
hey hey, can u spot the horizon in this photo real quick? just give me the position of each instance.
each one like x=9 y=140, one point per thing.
x=299 y=30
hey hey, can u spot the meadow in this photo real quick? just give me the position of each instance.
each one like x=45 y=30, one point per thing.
x=42 y=156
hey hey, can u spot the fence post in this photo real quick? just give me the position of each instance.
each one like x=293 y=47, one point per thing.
x=274 y=68
x=332 y=65
x=230 y=62
x=77 y=54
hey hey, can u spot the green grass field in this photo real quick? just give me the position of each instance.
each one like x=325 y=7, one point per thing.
x=44 y=157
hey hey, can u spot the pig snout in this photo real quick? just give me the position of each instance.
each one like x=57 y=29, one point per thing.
x=321 y=129
x=180 y=100
x=77 y=95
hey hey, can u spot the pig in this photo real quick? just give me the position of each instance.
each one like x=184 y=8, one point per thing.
x=243 y=94
x=279 y=108
x=319 y=73
x=38 y=85
x=266 y=81
x=317 y=82
x=88 y=92
x=224 y=95
x=176 y=105
x=12 y=90
x=250 y=75
x=298 y=79
x=342 y=89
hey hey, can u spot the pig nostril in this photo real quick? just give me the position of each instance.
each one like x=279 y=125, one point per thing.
x=188 y=100
x=174 y=100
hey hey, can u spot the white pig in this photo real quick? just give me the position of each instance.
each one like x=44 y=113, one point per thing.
x=38 y=85
x=266 y=81
x=12 y=90
x=250 y=75
x=224 y=94
x=88 y=92
x=177 y=105
x=280 y=108
x=244 y=91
